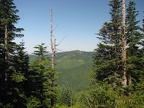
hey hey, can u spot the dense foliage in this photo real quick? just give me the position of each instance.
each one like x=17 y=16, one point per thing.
x=31 y=83
x=10 y=87
x=41 y=79
x=22 y=85
x=107 y=90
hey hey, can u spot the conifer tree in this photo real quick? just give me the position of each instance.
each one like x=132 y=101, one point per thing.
x=108 y=65
x=134 y=36
x=19 y=76
x=107 y=59
x=41 y=77
x=8 y=32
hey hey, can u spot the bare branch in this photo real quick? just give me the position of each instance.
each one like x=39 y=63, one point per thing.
x=55 y=27
x=61 y=40
x=60 y=50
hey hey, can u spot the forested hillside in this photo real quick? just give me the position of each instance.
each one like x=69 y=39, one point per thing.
x=73 y=68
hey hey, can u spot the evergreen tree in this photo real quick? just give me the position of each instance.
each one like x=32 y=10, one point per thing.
x=107 y=59
x=21 y=67
x=41 y=77
x=108 y=64
x=134 y=36
x=8 y=32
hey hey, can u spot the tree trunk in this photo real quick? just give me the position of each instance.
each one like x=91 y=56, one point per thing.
x=124 y=79
x=5 y=44
x=5 y=51
x=53 y=54
x=52 y=103
x=51 y=40
x=129 y=79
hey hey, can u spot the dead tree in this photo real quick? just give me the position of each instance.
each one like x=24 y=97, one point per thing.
x=124 y=67
x=53 y=49
x=53 y=46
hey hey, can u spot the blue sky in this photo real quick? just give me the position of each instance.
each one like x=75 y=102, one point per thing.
x=78 y=19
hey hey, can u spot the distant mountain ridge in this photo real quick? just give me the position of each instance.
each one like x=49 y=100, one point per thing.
x=74 y=69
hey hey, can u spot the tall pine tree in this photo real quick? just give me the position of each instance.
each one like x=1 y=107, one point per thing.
x=41 y=78
x=8 y=32
x=20 y=75
x=107 y=59
x=134 y=37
